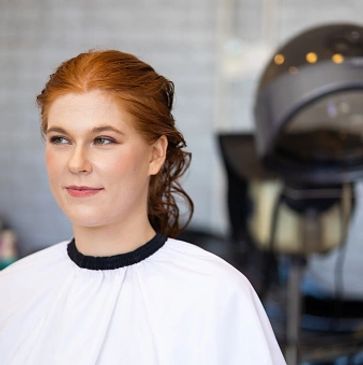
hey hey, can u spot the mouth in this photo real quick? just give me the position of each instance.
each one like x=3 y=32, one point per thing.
x=82 y=191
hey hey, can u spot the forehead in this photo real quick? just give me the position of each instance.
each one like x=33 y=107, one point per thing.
x=89 y=109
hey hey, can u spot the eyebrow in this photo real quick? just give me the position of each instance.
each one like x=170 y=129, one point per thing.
x=94 y=130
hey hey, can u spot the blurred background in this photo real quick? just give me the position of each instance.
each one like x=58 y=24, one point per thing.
x=214 y=50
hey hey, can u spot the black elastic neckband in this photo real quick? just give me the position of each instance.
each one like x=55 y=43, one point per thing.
x=116 y=261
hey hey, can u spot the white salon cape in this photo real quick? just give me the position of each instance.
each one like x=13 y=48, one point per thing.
x=166 y=303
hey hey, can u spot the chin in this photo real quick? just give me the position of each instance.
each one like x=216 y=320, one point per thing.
x=86 y=222
x=86 y=219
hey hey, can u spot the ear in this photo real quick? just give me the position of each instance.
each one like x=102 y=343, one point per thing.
x=158 y=155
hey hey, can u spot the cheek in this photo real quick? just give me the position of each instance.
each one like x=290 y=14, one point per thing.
x=127 y=164
x=49 y=160
x=48 y=156
x=52 y=162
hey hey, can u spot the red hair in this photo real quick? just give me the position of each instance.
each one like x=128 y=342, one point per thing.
x=147 y=96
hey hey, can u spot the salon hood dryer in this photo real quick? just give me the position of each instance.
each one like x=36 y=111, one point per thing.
x=309 y=109
x=309 y=132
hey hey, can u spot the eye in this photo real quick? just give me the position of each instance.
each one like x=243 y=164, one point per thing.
x=58 y=140
x=101 y=140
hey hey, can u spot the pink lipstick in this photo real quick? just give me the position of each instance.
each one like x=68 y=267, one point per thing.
x=82 y=191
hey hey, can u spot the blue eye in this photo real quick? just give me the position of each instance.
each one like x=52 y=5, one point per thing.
x=104 y=140
x=58 y=140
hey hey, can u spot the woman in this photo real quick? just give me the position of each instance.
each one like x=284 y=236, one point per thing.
x=121 y=292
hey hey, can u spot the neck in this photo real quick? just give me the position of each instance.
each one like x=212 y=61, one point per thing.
x=112 y=239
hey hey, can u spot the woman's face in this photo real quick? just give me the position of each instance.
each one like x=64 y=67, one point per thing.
x=98 y=164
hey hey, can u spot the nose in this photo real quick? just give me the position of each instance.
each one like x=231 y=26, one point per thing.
x=79 y=161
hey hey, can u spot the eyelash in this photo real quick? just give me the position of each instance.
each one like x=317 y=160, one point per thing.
x=108 y=139
x=57 y=140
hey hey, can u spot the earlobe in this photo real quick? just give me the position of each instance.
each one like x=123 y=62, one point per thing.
x=158 y=155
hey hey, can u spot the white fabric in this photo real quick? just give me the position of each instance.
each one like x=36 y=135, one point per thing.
x=180 y=306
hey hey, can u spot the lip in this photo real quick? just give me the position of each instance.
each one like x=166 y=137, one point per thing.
x=82 y=191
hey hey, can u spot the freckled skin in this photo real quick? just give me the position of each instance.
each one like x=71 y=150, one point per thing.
x=120 y=164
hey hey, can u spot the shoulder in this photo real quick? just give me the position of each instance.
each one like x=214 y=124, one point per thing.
x=206 y=267
x=195 y=255
x=229 y=302
x=33 y=277
x=36 y=262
